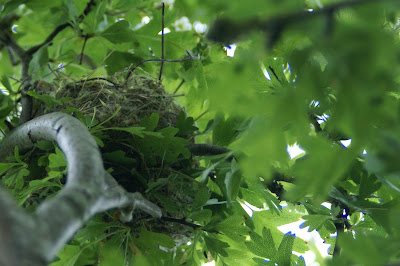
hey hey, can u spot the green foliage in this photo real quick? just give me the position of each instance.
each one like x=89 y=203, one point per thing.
x=311 y=78
x=265 y=247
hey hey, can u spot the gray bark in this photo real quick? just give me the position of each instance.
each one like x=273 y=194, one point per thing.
x=35 y=239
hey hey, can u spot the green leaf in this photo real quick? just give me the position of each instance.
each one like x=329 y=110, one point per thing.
x=117 y=61
x=44 y=145
x=5 y=81
x=40 y=58
x=137 y=131
x=16 y=154
x=93 y=229
x=314 y=221
x=19 y=183
x=159 y=182
x=232 y=181
x=201 y=198
x=234 y=228
x=169 y=147
x=118 y=32
x=6 y=166
x=158 y=239
x=256 y=195
x=226 y=131
x=111 y=255
x=285 y=249
x=263 y=246
x=48 y=99
x=68 y=255
x=57 y=159
x=118 y=157
x=201 y=215
x=215 y=245
x=368 y=185
x=150 y=122
x=185 y=124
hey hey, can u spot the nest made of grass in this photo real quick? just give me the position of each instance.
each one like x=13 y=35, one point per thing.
x=139 y=97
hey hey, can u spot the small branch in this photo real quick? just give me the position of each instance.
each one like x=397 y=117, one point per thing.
x=26 y=104
x=273 y=72
x=180 y=221
x=190 y=57
x=206 y=149
x=118 y=13
x=50 y=38
x=60 y=28
x=179 y=86
x=83 y=48
x=189 y=178
x=162 y=41
x=201 y=115
x=25 y=58
x=87 y=10
x=314 y=122
x=340 y=230
x=11 y=56
x=91 y=79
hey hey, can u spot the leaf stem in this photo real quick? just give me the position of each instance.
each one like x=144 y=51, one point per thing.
x=162 y=41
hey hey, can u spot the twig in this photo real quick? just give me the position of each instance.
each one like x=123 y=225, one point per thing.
x=314 y=122
x=60 y=28
x=273 y=72
x=87 y=10
x=25 y=58
x=162 y=42
x=83 y=48
x=180 y=221
x=56 y=31
x=91 y=79
x=206 y=149
x=131 y=69
x=179 y=86
x=123 y=11
x=11 y=56
x=185 y=176
x=340 y=229
x=197 y=118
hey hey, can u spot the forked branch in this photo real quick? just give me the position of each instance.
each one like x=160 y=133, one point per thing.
x=35 y=239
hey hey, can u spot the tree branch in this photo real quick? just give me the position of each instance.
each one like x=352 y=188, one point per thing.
x=180 y=221
x=228 y=31
x=206 y=149
x=50 y=38
x=26 y=56
x=89 y=190
x=60 y=28
x=190 y=57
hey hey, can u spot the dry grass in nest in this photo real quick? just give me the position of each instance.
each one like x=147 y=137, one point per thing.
x=139 y=97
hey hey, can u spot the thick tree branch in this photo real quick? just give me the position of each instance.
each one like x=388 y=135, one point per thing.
x=228 y=31
x=25 y=58
x=89 y=190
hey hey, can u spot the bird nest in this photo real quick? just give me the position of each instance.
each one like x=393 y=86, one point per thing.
x=102 y=98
